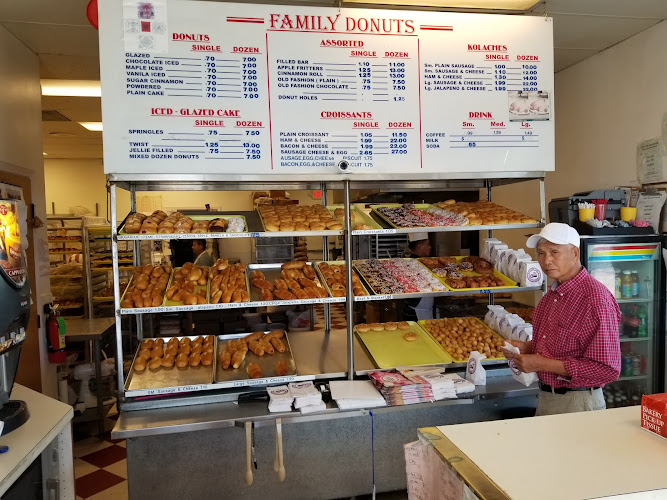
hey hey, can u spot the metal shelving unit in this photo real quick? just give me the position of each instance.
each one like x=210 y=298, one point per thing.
x=328 y=346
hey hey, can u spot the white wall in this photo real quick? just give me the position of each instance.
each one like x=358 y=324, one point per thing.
x=21 y=154
x=604 y=106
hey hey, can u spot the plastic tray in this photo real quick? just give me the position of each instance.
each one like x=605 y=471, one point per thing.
x=390 y=349
x=508 y=282
x=422 y=323
x=171 y=303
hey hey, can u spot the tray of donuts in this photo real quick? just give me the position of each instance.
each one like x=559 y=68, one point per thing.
x=333 y=275
x=469 y=273
x=146 y=287
x=290 y=281
x=298 y=218
x=258 y=355
x=177 y=223
x=166 y=363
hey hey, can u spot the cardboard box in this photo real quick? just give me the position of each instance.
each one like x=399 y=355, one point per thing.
x=654 y=413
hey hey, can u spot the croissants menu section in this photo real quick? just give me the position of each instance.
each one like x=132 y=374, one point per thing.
x=246 y=90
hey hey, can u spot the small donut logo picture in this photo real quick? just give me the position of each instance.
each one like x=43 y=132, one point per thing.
x=472 y=365
x=534 y=275
x=280 y=392
x=513 y=367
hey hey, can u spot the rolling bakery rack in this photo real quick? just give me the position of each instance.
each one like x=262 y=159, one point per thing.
x=318 y=354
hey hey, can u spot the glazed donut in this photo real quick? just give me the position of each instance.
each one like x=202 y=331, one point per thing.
x=482 y=266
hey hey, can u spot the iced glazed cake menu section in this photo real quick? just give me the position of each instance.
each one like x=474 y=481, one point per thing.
x=247 y=90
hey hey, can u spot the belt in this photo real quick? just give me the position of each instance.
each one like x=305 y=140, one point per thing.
x=563 y=390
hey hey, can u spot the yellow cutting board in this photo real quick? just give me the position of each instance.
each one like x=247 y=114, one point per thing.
x=389 y=349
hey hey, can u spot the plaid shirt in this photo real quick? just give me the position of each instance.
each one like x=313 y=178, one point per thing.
x=577 y=322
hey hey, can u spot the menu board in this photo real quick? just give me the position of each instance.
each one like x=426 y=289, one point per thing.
x=239 y=89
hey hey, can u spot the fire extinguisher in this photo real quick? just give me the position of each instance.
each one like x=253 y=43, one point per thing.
x=55 y=335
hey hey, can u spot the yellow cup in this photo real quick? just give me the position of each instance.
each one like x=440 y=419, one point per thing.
x=586 y=213
x=628 y=213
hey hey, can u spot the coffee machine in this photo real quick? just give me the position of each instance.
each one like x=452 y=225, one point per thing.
x=14 y=313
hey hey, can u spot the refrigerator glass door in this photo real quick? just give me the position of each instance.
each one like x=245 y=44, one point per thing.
x=630 y=271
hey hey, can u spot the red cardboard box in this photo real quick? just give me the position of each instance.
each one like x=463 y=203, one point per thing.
x=654 y=413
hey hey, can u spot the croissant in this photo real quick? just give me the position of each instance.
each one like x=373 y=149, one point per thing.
x=238 y=357
x=284 y=295
x=266 y=345
x=254 y=370
x=256 y=347
x=281 y=368
x=225 y=359
x=278 y=344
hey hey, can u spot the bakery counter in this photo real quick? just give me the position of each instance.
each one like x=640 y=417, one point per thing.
x=614 y=457
x=332 y=454
x=206 y=411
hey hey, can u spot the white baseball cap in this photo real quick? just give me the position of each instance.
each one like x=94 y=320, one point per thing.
x=417 y=237
x=555 y=232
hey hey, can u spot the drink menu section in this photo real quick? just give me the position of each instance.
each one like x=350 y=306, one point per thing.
x=216 y=88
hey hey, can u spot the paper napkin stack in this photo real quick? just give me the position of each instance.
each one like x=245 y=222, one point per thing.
x=307 y=398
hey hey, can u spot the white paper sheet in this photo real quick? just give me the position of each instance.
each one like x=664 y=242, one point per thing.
x=649 y=161
x=649 y=207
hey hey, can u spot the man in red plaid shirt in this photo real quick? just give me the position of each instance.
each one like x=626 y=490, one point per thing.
x=575 y=348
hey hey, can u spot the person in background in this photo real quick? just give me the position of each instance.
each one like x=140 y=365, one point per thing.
x=575 y=348
x=202 y=257
x=417 y=309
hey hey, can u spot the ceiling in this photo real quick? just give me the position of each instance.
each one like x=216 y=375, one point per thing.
x=67 y=46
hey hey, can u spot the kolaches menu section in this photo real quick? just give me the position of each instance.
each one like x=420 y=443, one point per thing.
x=198 y=87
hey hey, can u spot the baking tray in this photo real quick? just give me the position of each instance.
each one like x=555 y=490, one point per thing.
x=239 y=377
x=389 y=349
x=172 y=236
x=168 y=381
x=362 y=217
x=418 y=206
x=508 y=282
x=271 y=272
x=422 y=323
x=324 y=283
x=171 y=303
x=323 y=232
x=149 y=309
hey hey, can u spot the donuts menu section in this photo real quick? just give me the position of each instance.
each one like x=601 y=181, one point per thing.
x=268 y=89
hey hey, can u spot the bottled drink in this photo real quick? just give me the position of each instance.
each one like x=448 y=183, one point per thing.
x=642 y=329
x=636 y=365
x=635 y=284
x=626 y=366
x=617 y=283
x=626 y=285
x=642 y=364
x=630 y=322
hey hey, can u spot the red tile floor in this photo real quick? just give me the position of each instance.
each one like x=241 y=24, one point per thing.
x=100 y=467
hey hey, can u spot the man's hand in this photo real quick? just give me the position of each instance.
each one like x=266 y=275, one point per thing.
x=524 y=347
x=529 y=363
